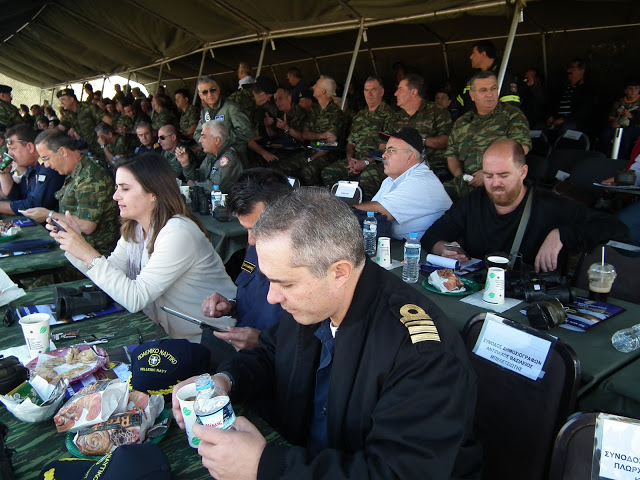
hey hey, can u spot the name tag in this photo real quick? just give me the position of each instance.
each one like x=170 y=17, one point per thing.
x=618 y=439
x=346 y=189
x=41 y=178
x=513 y=349
x=219 y=118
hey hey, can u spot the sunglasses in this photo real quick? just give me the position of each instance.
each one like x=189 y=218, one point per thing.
x=12 y=141
x=162 y=137
x=204 y=93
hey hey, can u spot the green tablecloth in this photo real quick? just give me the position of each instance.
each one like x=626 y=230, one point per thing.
x=618 y=394
x=227 y=237
x=597 y=356
x=24 y=265
x=37 y=444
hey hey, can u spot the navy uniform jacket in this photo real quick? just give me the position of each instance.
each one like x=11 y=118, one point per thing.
x=401 y=397
x=253 y=310
x=36 y=189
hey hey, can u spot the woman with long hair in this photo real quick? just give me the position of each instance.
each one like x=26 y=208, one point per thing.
x=163 y=257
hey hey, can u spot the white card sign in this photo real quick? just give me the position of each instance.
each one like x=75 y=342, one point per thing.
x=572 y=134
x=619 y=441
x=346 y=189
x=513 y=349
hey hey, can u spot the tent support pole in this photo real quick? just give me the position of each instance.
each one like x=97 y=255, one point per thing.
x=446 y=59
x=159 y=77
x=264 y=47
x=195 y=93
x=373 y=62
x=507 y=49
x=545 y=65
x=352 y=66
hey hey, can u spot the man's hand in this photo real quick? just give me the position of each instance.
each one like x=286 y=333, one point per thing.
x=240 y=338
x=356 y=166
x=439 y=249
x=215 y=305
x=478 y=179
x=608 y=181
x=182 y=156
x=229 y=454
x=269 y=157
x=547 y=257
x=268 y=119
x=39 y=214
x=175 y=403
x=330 y=137
x=282 y=123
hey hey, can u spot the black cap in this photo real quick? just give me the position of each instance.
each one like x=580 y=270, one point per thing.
x=5 y=89
x=145 y=461
x=265 y=84
x=66 y=91
x=158 y=365
x=632 y=83
x=407 y=134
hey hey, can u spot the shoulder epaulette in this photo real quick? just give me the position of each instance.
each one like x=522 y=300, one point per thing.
x=419 y=323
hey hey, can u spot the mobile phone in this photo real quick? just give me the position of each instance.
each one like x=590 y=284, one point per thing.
x=191 y=319
x=57 y=225
x=457 y=248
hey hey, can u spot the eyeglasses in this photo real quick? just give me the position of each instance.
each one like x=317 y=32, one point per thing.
x=11 y=141
x=162 y=137
x=48 y=157
x=483 y=91
x=393 y=150
x=204 y=93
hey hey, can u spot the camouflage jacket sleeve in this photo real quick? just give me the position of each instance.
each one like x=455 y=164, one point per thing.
x=331 y=119
x=442 y=122
x=240 y=131
x=453 y=147
x=518 y=128
x=365 y=128
x=9 y=115
x=198 y=133
x=189 y=117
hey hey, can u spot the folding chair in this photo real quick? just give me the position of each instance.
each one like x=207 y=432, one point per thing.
x=354 y=189
x=540 y=144
x=573 y=451
x=572 y=140
x=517 y=418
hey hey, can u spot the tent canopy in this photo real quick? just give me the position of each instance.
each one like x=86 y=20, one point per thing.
x=50 y=43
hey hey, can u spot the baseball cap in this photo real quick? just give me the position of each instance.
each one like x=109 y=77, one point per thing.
x=145 y=461
x=158 y=365
x=66 y=91
x=407 y=134
x=265 y=84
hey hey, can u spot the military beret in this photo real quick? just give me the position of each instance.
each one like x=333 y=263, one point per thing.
x=407 y=134
x=66 y=91
x=5 y=89
x=265 y=84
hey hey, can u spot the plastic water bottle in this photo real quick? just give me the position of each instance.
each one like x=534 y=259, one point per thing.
x=216 y=197
x=627 y=340
x=370 y=232
x=411 y=267
x=212 y=405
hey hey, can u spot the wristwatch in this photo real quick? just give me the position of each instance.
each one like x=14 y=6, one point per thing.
x=50 y=214
x=94 y=262
x=367 y=162
x=286 y=132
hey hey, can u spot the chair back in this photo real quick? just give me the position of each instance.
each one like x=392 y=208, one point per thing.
x=573 y=139
x=573 y=451
x=540 y=144
x=357 y=193
x=517 y=418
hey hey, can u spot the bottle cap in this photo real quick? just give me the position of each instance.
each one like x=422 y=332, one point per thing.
x=369 y=214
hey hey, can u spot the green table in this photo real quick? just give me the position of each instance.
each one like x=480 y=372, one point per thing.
x=598 y=358
x=22 y=266
x=37 y=444
x=227 y=237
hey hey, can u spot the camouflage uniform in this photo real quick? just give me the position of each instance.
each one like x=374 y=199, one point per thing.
x=431 y=120
x=330 y=119
x=127 y=121
x=222 y=169
x=508 y=92
x=87 y=193
x=473 y=133
x=165 y=117
x=84 y=121
x=236 y=121
x=175 y=164
x=124 y=145
x=364 y=135
x=189 y=117
x=289 y=161
x=9 y=115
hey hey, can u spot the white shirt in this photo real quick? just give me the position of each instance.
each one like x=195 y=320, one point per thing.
x=416 y=199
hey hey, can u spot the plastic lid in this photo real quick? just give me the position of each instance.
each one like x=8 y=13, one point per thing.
x=369 y=214
x=204 y=387
x=216 y=187
x=413 y=235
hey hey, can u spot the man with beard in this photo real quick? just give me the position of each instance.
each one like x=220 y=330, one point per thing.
x=487 y=219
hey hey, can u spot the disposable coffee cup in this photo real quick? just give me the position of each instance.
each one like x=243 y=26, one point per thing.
x=35 y=328
x=187 y=397
x=601 y=278
x=184 y=190
x=497 y=260
x=383 y=255
x=494 y=286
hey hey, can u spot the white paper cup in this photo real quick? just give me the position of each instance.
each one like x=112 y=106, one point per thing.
x=184 y=190
x=494 y=286
x=383 y=255
x=188 y=414
x=35 y=328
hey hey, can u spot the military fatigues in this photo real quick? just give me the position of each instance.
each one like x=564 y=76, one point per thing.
x=189 y=117
x=289 y=161
x=84 y=121
x=364 y=135
x=129 y=123
x=236 y=121
x=87 y=193
x=473 y=133
x=175 y=164
x=165 y=117
x=508 y=92
x=222 y=169
x=431 y=120
x=330 y=119
x=9 y=115
x=125 y=145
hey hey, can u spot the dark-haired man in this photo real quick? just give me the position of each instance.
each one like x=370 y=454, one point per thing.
x=254 y=190
x=38 y=185
x=9 y=114
x=147 y=138
x=113 y=145
x=487 y=219
x=163 y=115
x=189 y=115
x=81 y=119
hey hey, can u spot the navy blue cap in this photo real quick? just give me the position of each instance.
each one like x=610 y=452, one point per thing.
x=66 y=91
x=265 y=84
x=408 y=135
x=5 y=89
x=158 y=365
x=144 y=461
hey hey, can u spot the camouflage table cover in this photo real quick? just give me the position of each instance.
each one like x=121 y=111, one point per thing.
x=227 y=237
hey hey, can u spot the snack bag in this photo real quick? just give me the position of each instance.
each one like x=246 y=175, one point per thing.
x=446 y=281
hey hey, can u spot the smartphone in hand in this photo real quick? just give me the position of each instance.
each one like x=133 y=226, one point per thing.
x=456 y=248
x=57 y=225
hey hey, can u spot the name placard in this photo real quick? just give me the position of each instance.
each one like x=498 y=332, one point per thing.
x=346 y=189
x=513 y=349
x=619 y=441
